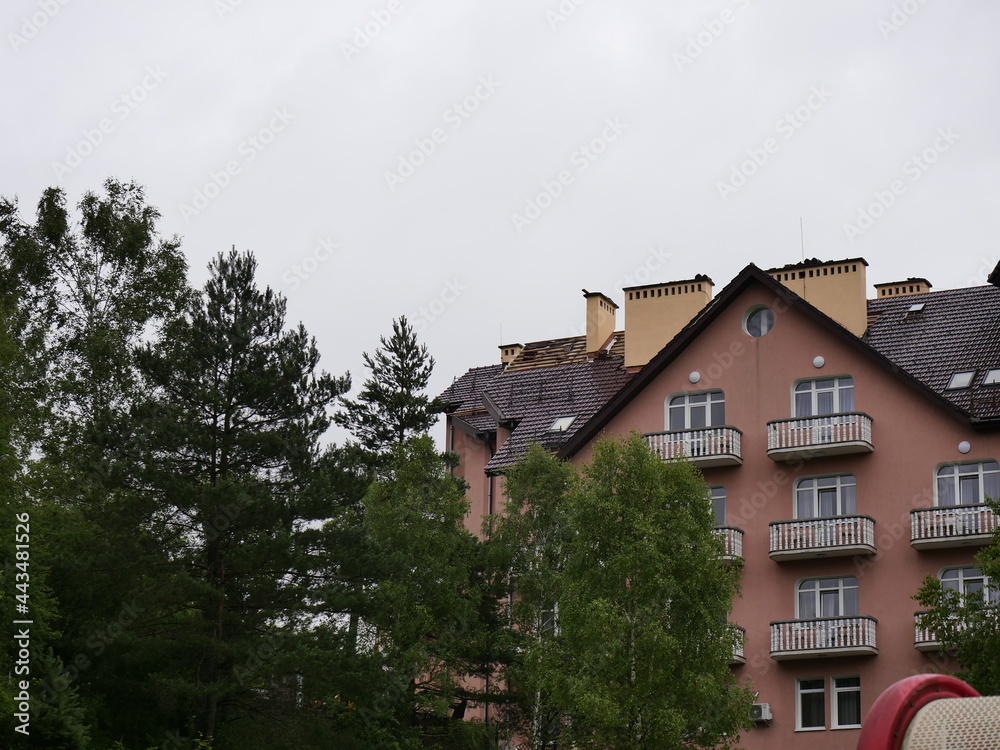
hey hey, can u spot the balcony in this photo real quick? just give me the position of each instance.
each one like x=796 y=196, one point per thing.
x=923 y=638
x=738 y=657
x=828 y=636
x=732 y=542
x=709 y=446
x=812 y=437
x=836 y=536
x=953 y=526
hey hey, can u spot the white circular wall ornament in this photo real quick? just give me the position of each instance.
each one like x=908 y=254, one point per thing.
x=694 y=377
x=818 y=362
x=964 y=446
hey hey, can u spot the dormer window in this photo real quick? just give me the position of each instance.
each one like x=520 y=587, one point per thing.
x=961 y=379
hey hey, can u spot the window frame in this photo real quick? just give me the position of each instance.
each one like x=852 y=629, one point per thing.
x=837 y=390
x=718 y=494
x=818 y=597
x=956 y=491
x=835 y=691
x=687 y=406
x=990 y=594
x=817 y=490
x=960 y=380
x=760 y=328
x=800 y=692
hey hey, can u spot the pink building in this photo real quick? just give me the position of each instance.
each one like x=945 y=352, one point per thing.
x=849 y=444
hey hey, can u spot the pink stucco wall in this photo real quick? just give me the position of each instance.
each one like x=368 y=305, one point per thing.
x=911 y=437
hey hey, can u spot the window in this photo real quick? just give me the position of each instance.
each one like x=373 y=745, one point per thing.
x=548 y=621
x=809 y=699
x=814 y=398
x=961 y=379
x=969 y=581
x=758 y=321
x=992 y=377
x=821 y=497
x=845 y=702
x=968 y=484
x=719 y=505
x=692 y=411
x=827 y=597
x=562 y=424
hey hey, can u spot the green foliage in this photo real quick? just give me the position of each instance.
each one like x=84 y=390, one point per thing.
x=968 y=625
x=391 y=405
x=622 y=603
x=423 y=603
x=226 y=443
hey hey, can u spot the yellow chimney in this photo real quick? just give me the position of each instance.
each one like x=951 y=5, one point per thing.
x=902 y=288
x=655 y=313
x=836 y=287
x=601 y=313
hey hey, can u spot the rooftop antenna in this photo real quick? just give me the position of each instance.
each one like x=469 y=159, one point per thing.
x=802 y=239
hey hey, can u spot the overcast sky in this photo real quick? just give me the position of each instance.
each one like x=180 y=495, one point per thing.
x=473 y=165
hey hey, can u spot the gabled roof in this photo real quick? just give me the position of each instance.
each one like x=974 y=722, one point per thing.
x=956 y=330
x=747 y=277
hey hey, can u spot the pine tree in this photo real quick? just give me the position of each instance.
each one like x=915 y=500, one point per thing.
x=391 y=406
x=230 y=438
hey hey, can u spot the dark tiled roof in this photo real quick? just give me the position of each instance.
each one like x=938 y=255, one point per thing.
x=480 y=420
x=531 y=400
x=957 y=330
x=463 y=394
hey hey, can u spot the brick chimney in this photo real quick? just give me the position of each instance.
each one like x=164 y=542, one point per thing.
x=655 y=313
x=902 y=288
x=601 y=312
x=837 y=288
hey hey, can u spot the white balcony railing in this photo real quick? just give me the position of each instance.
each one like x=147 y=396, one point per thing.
x=952 y=526
x=800 y=639
x=832 y=434
x=822 y=537
x=732 y=541
x=924 y=639
x=709 y=446
x=738 y=656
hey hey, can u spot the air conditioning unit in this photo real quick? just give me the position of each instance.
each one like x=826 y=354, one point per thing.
x=760 y=712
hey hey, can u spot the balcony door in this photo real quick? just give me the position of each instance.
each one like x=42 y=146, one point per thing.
x=695 y=411
x=828 y=597
x=816 y=398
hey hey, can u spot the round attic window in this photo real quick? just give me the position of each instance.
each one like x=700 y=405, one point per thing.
x=758 y=321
